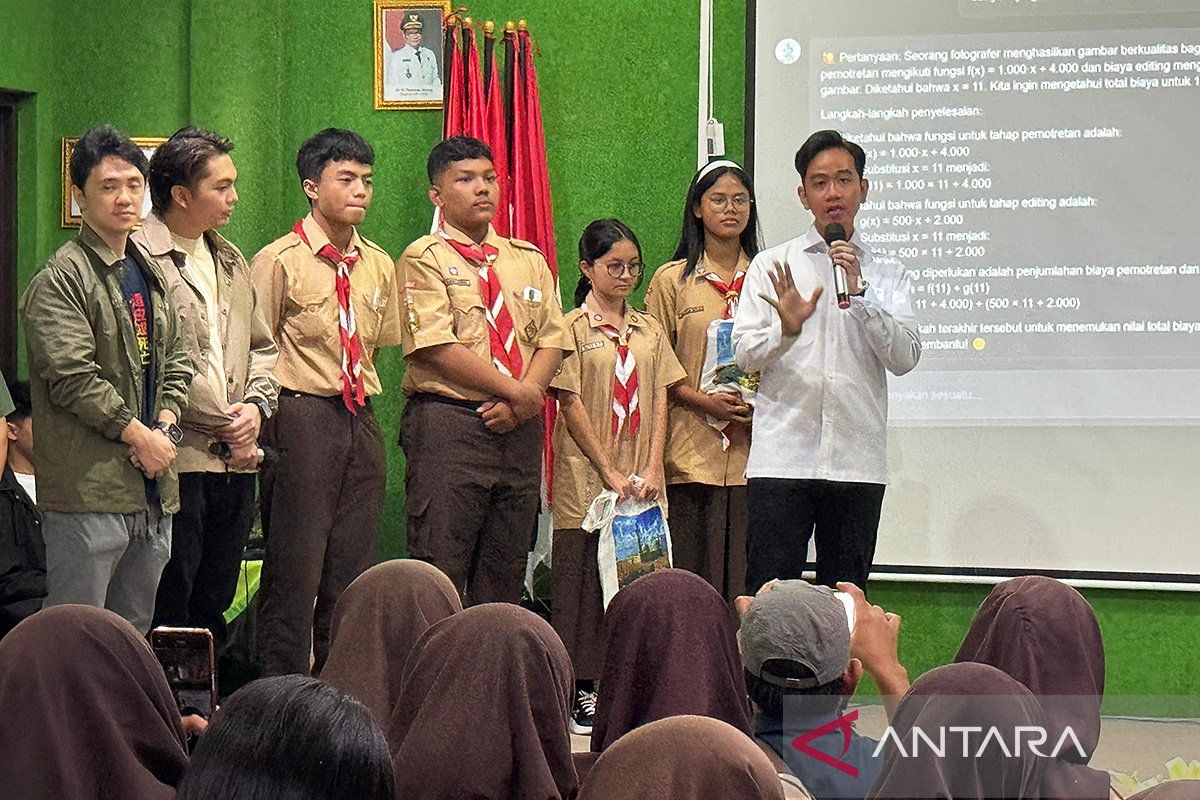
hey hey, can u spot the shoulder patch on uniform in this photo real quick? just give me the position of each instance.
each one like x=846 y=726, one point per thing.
x=524 y=245
x=375 y=247
x=420 y=246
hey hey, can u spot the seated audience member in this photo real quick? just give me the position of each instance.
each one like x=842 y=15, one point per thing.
x=483 y=710
x=87 y=712
x=22 y=549
x=6 y=408
x=968 y=701
x=803 y=665
x=683 y=758
x=670 y=649
x=290 y=738
x=376 y=624
x=19 y=437
x=1045 y=634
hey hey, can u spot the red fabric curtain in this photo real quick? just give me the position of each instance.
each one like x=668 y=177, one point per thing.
x=475 y=123
x=456 y=94
x=538 y=175
x=532 y=218
x=495 y=133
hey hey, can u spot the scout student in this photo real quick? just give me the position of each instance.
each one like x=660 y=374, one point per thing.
x=709 y=436
x=483 y=336
x=193 y=193
x=329 y=298
x=612 y=425
x=109 y=375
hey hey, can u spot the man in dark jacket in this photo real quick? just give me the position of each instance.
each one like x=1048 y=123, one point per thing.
x=109 y=375
x=22 y=551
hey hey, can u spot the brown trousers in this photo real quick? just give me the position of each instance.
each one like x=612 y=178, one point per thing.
x=576 y=600
x=321 y=505
x=708 y=534
x=472 y=496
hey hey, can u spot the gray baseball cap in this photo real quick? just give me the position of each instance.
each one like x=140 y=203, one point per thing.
x=796 y=621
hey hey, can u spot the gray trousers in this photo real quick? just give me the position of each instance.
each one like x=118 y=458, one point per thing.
x=108 y=560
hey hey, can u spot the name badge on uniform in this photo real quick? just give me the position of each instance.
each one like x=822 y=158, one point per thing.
x=532 y=295
x=591 y=346
x=692 y=310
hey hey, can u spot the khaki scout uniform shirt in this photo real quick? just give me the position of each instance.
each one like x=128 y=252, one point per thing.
x=694 y=453
x=588 y=371
x=443 y=304
x=297 y=291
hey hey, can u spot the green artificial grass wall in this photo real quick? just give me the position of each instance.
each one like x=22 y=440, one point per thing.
x=618 y=85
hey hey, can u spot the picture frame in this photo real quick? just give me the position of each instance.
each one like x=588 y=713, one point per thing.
x=409 y=72
x=70 y=211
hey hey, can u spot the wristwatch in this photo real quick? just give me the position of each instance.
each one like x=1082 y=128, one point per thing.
x=862 y=288
x=264 y=408
x=173 y=431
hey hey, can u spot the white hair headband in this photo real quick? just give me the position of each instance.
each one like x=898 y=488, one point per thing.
x=710 y=166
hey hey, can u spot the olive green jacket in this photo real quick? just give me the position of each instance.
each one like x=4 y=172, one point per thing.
x=85 y=379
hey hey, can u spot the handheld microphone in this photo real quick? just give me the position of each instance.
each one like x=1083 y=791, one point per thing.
x=841 y=284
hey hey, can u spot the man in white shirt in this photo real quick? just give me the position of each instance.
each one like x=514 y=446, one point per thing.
x=412 y=67
x=818 y=457
x=192 y=188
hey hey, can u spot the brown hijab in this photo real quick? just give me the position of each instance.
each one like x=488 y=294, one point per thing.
x=683 y=758
x=670 y=649
x=376 y=623
x=484 y=709
x=1171 y=790
x=1043 y=633
x=87 y=713
x=954 y=696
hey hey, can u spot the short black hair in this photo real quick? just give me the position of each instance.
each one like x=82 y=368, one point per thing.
x=829 y=140
x=456 y=148
x=598 y=238
x=331 y=144
x=290 y=737
x=96 y=145
x=180 y=161
x=23 y=406
x=828 y=697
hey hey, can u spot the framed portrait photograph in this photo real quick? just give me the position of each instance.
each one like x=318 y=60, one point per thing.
x=408 y=53
x=70 y=211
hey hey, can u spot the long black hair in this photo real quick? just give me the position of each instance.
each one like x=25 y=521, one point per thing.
x=290 y=738
x=597 y=239
x=691 y=237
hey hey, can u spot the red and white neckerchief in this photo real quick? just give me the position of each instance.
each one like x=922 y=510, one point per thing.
x=502 y=334
x=626 y=414
x=730 y=291
x=353 y=394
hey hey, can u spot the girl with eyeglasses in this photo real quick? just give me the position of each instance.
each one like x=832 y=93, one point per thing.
x=612 y=426
x=709 y=434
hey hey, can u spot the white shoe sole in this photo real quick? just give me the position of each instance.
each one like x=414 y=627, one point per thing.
x=580 y=730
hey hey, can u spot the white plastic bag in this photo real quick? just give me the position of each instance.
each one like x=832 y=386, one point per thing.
x=635 y=539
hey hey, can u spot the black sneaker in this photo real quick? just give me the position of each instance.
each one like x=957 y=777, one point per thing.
x=583 y=713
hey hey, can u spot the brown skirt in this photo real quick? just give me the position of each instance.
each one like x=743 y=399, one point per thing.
x=708 y=534
x=576 y=602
